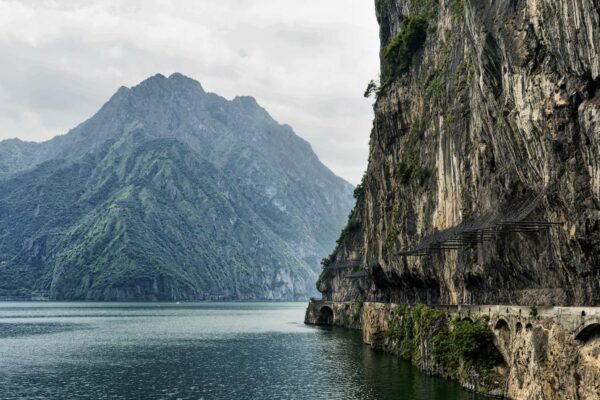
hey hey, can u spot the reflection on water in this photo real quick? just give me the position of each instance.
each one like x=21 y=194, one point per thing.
x=193 y=351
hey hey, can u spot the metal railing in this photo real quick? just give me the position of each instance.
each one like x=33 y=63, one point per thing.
x=485 y=228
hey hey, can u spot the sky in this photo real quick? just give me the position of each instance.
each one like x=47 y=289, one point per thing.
x=307 y=62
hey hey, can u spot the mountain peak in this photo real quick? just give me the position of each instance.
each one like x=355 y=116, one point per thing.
x=120 y=93
x=246 y=100
x=177 y=76
x=154 y=79
x=175 y=82
x=180 y=79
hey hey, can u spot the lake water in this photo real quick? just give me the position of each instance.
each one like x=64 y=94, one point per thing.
x=194 y=351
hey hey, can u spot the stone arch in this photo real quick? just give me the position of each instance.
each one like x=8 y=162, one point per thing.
x=519 y=327
x=529 y=327
x=467 y=319
x=502 y=329
x=501 y=324
x=325 y=316
x=588 y=332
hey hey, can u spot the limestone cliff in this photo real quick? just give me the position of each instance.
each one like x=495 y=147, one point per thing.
x=486 y=111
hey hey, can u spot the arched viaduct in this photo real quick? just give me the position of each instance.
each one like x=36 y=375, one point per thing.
x=581 y=322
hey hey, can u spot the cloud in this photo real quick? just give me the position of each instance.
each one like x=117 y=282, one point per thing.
x=306 y=62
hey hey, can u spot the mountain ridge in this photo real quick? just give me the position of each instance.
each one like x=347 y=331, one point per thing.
x=249 y=170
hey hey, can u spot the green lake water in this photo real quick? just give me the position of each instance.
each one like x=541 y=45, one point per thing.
x=195 y=351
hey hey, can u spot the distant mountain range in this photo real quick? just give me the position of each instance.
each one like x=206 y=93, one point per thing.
x=168 y=193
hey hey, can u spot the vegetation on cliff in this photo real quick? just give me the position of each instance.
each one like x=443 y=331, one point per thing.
x=398 y=54
x=462 y=349
x=352 y=226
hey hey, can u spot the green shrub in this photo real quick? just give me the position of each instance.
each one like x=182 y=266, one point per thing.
x=434 y=87
x=391 y=239
x=372 y=88
x=457 y=346
x=359 y=192
x=404 y=173
x=533 y=312
x=398 y=54
x=327 y=261
x=473 y=343
x=409 y=326
x=458 y=8
x=358 y=311
x=408 y=173
x=352 y=227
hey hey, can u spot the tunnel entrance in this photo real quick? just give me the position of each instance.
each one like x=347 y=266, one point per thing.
x=589 y=332
x=325 y=316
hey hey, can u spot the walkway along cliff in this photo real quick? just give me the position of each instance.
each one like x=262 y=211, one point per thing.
x=474 y=246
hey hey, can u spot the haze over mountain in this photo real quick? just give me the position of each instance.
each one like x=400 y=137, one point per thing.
x=168 y=192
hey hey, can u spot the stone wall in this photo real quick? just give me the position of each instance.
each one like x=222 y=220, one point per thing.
x=543 y=360
x=547 y=353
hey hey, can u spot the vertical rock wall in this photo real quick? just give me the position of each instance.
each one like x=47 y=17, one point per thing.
x=486 y=110
x=490 y=106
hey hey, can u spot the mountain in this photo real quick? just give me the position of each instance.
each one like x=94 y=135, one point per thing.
x=168 y=192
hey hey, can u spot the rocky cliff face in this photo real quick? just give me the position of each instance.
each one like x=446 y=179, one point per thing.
x=487 y=114
x=548 y=363
x=538 y=361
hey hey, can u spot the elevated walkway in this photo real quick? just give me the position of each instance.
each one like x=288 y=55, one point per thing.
x=581 y=322
x=509 y=219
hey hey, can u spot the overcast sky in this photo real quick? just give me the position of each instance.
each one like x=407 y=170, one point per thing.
x=307 y=62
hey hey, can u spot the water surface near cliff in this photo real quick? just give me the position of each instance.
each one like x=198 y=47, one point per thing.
x=194 y=351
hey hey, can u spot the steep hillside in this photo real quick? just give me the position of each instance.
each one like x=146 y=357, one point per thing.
x=168 y=192
x=483 y=179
